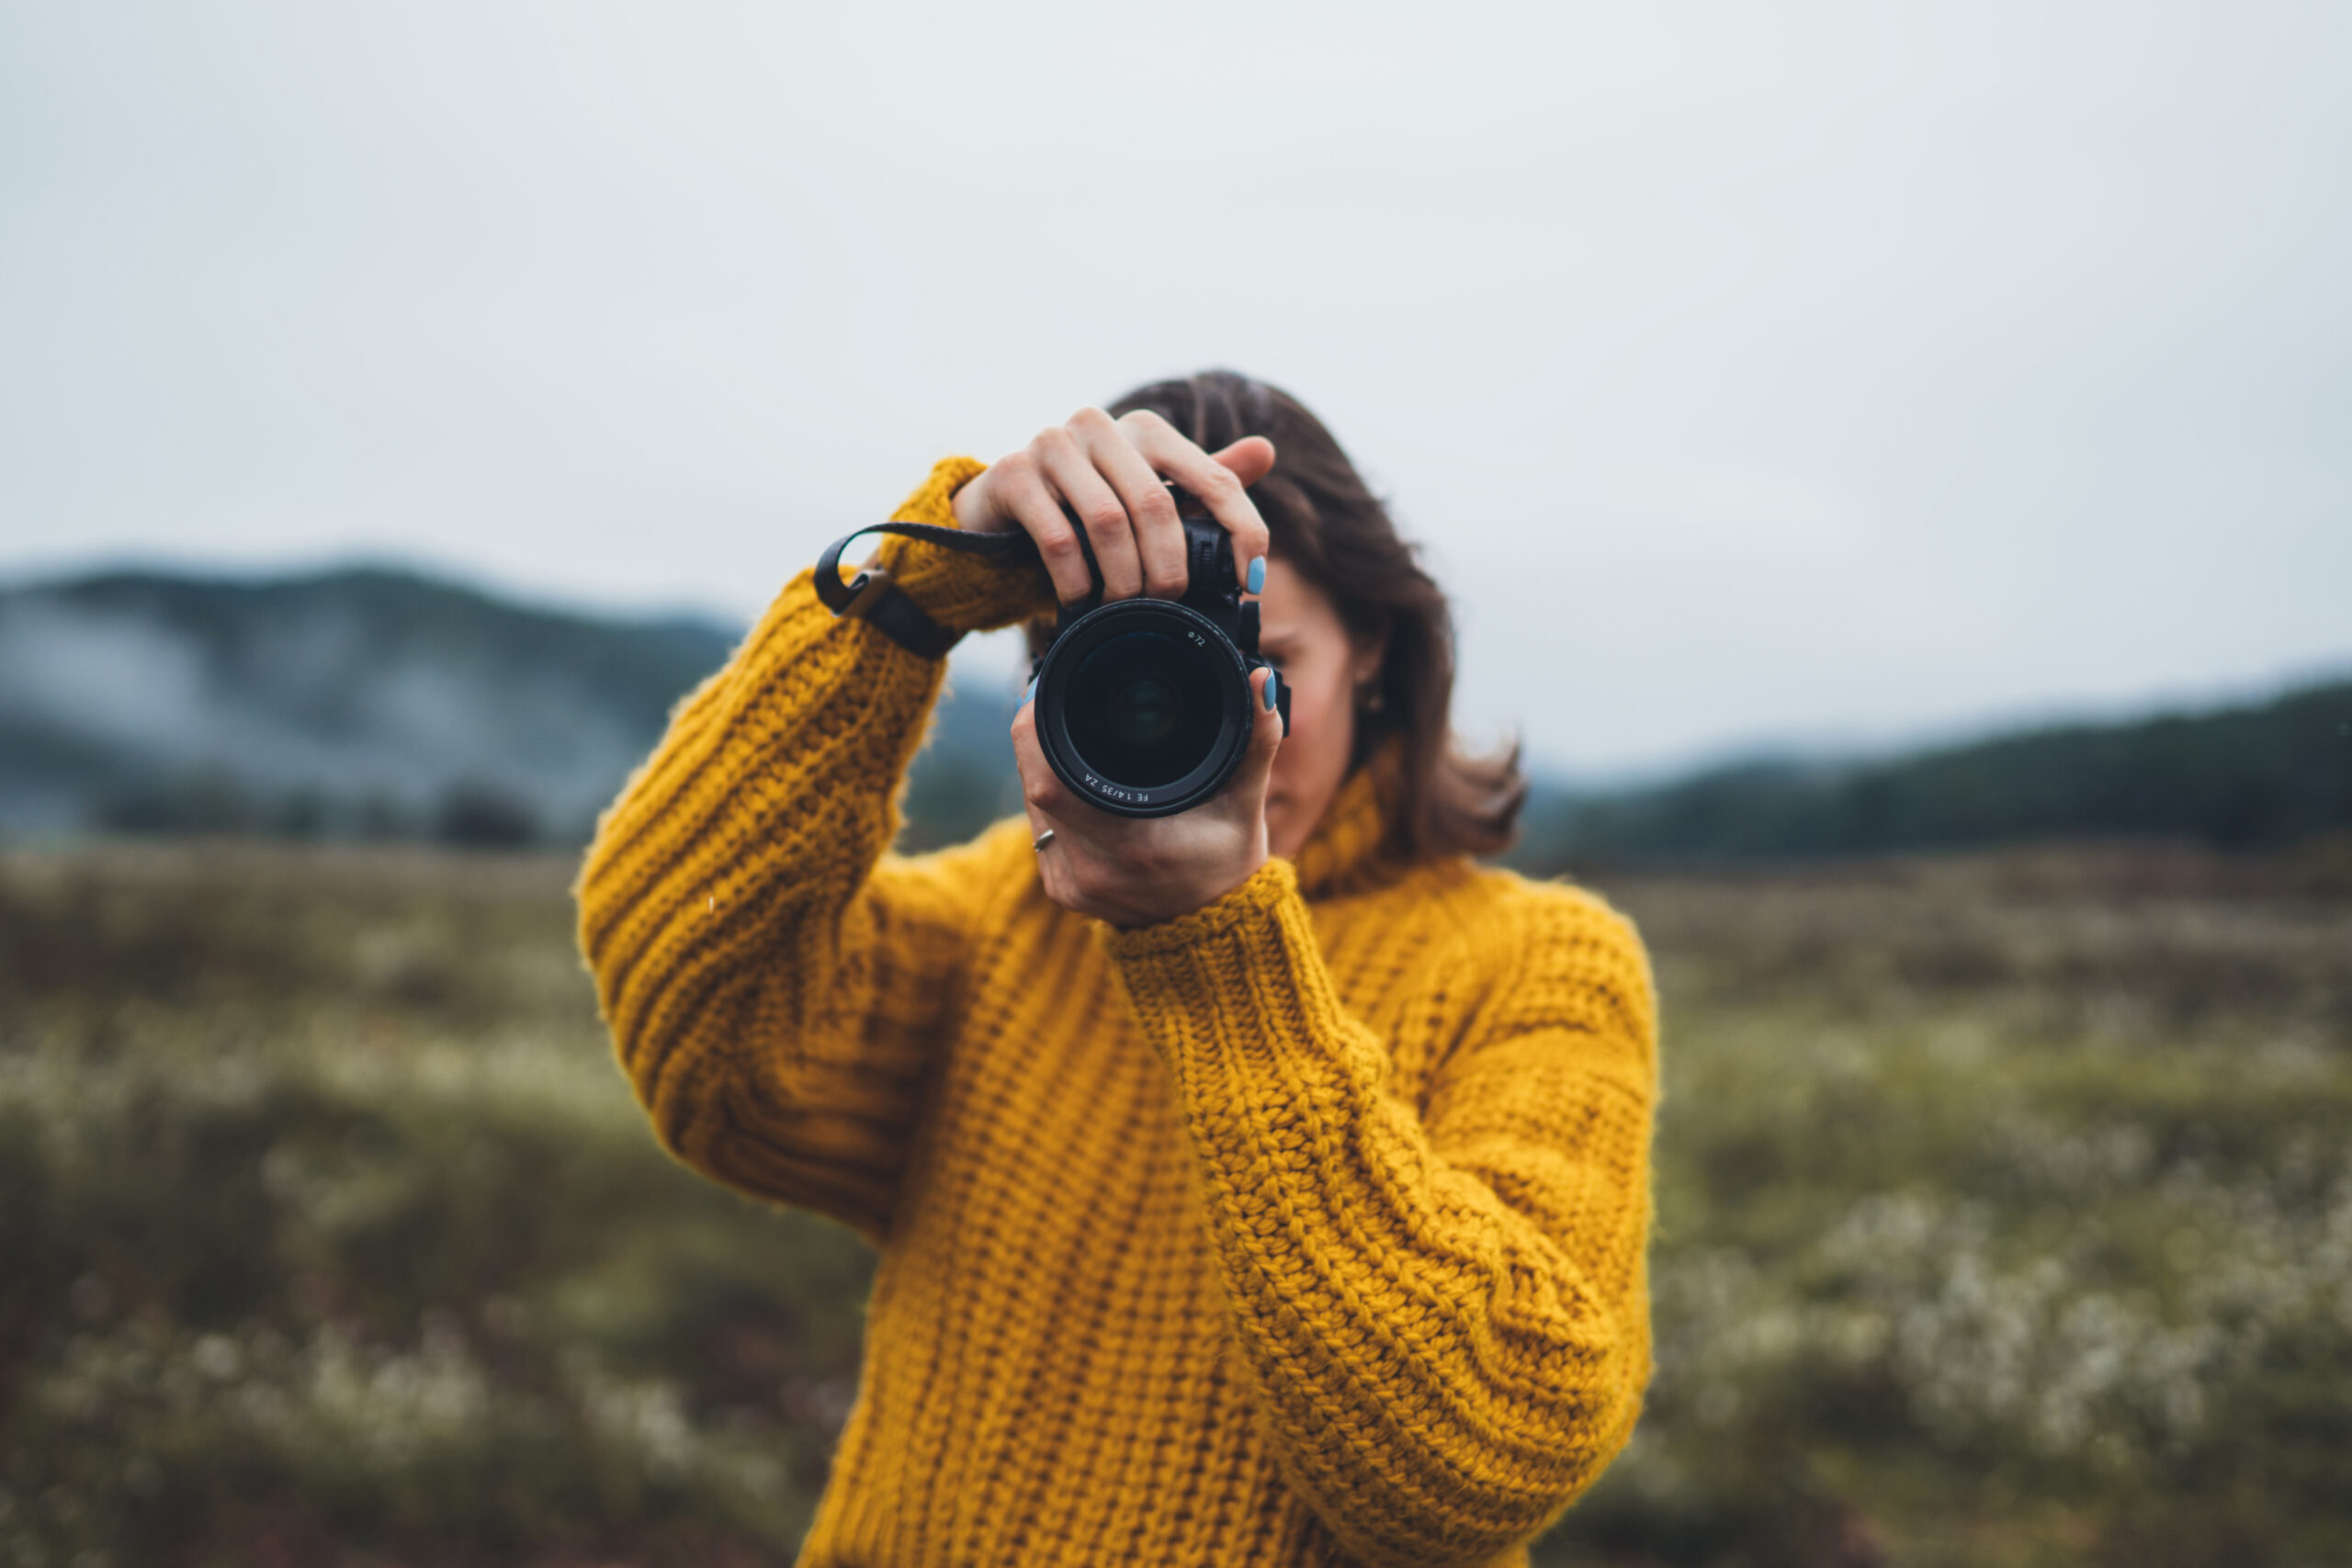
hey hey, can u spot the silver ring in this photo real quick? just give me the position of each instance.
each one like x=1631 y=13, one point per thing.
x=1042 y=839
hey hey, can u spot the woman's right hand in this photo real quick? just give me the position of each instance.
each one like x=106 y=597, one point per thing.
x=1109 y=470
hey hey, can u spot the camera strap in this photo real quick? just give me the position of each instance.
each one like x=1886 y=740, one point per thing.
x=882 y=602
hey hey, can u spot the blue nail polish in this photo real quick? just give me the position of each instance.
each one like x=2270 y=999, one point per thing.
x=1272 y=680
x=1258 y=575
x=1029 y=694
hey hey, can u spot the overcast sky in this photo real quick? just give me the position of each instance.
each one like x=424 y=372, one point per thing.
x=1751 y=372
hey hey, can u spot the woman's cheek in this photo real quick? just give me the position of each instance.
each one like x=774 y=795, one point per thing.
x=1316 y=718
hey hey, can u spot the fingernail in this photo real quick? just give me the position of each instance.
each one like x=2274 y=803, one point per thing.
x=1272 y=680
x=1027 y=695
x=1258 y=575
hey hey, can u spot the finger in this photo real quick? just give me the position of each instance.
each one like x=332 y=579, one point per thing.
x=1040 y=824
x=1219 y=487
x=1071 y=468
x=1251 y=458
x=1159 y=530
x=1034 y=506
x=1053 y=861
x=1041 y=793
x=1251 y=779
x=1051 y=808
x=974 y=505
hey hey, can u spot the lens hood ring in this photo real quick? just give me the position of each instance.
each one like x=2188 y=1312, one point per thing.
x=1143 y=707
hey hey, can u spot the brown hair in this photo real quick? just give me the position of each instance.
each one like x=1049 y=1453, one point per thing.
x=1332 y=529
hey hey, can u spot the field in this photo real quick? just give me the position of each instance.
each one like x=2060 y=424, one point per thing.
x=2005 y=1218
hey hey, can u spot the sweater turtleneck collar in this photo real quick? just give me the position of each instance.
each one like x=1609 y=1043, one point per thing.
x=1349 y=846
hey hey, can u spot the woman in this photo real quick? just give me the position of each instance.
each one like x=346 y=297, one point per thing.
x=1264 y=1184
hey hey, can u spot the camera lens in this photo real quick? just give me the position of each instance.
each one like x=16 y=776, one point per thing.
x=1143 y=709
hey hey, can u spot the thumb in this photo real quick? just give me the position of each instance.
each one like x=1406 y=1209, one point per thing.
x=1256 y=772
x=1250 y=459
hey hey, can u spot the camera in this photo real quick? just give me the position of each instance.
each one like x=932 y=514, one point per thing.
x=1143 y=706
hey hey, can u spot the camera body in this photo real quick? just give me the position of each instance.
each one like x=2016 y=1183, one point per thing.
x=1143 y=706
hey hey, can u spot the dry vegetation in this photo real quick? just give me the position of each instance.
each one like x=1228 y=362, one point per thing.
x=2006 y=1217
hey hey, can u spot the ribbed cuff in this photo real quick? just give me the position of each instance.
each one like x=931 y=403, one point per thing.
x=963 y=592
x=1259 y=895
x=1239 y=978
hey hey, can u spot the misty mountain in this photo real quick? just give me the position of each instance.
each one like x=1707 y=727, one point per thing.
x=362 y=701
x=2244 y=777
x=372 y=703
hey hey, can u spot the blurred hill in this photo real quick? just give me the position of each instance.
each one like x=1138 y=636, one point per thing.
x=2243 y=777
x=374 y=703
x=364 y=702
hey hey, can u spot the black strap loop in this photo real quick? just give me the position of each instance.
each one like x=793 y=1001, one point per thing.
x=872 y=594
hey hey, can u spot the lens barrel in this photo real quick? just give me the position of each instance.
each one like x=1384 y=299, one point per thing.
x=1143 y=707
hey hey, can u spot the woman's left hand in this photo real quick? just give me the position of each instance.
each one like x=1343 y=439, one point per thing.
x=1139 y=871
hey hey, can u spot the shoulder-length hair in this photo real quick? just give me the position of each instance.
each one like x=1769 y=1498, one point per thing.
x=1334 y=531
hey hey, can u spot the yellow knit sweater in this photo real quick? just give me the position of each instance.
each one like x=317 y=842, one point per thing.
x=1307 y=1229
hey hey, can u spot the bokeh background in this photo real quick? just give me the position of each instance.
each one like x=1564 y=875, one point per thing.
x=1890 y=463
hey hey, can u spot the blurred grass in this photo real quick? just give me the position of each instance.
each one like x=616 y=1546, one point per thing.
x=2005 y=1217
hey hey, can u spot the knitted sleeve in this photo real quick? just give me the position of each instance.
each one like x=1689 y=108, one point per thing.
x=774 y=981
x=1445 y=1313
